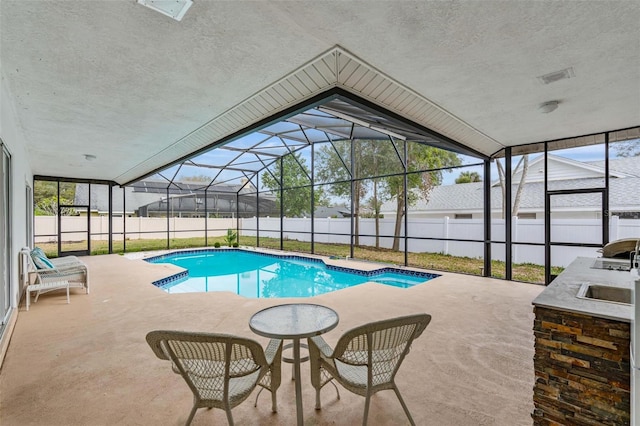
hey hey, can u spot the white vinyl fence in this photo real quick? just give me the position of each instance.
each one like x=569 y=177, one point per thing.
x=524 y=231
x=331 y=230
x=138 y=228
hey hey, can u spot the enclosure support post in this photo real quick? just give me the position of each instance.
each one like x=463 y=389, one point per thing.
x=507 y=215
x=281 y=204
x=313 y=203
x=353 y=184
x=124 y=219
x=257 y=211
x=206 y=219
x=59 y=220
x=547 y=221
x=89 y=220
x=487 y=218
x=605 y=199
x=110 y=225
x=406 y=205
x=168 y=220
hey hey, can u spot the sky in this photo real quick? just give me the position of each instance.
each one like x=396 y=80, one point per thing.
x=583 y=154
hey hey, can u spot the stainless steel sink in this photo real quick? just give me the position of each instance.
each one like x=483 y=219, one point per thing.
x=605 y=293
x=612 y=265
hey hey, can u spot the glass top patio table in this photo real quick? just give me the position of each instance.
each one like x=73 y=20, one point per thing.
x=294 y=321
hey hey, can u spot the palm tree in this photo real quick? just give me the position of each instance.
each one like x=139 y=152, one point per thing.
x=468 y=177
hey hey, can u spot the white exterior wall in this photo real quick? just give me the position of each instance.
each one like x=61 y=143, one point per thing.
x=21 y=176
x=558 y=170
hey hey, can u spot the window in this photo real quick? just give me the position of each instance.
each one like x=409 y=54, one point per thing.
x=463 y=216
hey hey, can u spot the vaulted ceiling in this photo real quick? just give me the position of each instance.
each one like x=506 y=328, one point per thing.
x=139 y=90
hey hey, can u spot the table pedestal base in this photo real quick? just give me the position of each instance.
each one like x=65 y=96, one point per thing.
x=293 y=361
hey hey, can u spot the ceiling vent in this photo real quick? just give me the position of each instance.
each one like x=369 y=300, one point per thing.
x=552 y=77
x=174 y=9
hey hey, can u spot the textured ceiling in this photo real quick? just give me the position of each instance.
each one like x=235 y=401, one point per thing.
x=129 y=85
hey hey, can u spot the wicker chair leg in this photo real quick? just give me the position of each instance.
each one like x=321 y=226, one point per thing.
x=274 y=402
x=318 y=393
x=404 y=406
x=337 y=391
x=229 y=417
x=258 y=396
x=366 y=409
x=193 y=413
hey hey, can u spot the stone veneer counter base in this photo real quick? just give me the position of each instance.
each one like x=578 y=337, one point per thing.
x=582 y=356
x=582 y=369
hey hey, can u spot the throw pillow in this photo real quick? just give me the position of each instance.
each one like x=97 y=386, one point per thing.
x=40 y=261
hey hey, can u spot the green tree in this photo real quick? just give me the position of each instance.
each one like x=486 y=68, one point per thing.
x=377 y=159
x=333 y=164
x=45 y=197
x=468 y=177
x=419 y=183
x=372 y=158
x=296 y=197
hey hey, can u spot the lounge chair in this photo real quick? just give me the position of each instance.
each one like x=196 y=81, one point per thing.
x=366 y=358
x=58 y=262
x=221 y=370
x=52 y=274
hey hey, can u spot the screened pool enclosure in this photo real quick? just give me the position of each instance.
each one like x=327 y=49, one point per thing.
x=338 y=176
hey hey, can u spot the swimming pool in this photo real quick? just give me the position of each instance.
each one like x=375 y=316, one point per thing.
x=263 y=275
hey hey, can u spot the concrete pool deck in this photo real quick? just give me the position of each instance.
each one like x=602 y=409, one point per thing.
x=87 y=363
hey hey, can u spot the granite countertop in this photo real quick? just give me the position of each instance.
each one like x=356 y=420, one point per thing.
x=561 y=293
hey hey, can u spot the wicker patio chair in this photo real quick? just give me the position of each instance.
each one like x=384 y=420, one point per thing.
x=366 y=358
x=57 y=274
x=221 y=370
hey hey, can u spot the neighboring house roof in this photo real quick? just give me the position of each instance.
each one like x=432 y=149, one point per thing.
x=100 y=198
x=627 y=165
x=216 y=202
x=469 y=197
x=145 y=193
x=334 y=211
x=562 y=168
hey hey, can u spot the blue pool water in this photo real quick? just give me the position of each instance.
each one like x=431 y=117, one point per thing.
x=262 y=275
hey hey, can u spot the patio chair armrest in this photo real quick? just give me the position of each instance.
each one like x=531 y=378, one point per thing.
x=68 y=266
x=323 y=346
x=46 y=273
x=59 y=272
x=272 y=350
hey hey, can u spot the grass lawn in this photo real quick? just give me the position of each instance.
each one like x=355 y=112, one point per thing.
x=525 y=272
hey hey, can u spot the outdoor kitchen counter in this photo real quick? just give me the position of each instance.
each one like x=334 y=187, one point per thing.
x=561 y=293
x=582 y=357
